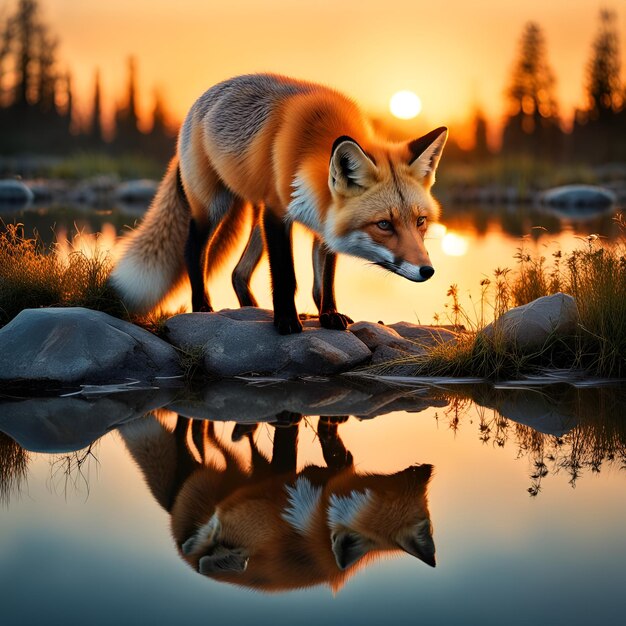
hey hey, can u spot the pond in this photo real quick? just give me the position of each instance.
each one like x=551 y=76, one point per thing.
x=237 y=502
x=281 y=516
x=473 y=242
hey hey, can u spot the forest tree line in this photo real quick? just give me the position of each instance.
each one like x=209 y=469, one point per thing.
x=36 y=102
x=36 y=99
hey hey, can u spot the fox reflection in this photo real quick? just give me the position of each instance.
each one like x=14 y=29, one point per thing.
x=257 y=522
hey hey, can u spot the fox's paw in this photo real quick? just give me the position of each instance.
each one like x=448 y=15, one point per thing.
x=334 y=320
x=287 y=324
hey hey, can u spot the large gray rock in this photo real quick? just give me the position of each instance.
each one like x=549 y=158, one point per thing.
x=425 y=336
x=74 y=345
x=578 y=196
x=530 y=326
x=375 y=336
x=233 y=347
x=15 y=193
x=389 y=346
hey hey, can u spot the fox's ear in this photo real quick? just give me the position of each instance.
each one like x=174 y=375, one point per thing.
x=351 y=171
x=348 y=547
x=419 y=542
x=425 y=154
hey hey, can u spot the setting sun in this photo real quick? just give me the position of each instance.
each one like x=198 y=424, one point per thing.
x=405 y=105
x=454 y=245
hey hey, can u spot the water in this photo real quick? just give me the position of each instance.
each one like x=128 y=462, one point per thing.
x=474 y=242
x=525 y=498
x=527 y=526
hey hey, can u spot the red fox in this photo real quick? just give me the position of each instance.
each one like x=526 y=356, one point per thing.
x=308 y=155
x=251 y=257
x=267 y=526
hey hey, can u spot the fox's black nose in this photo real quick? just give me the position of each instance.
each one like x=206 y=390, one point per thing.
x=426 y=271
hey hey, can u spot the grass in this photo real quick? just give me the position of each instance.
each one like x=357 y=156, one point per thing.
x=32 y=276
x=85 y=165
x=523 y=173
x=595 y=275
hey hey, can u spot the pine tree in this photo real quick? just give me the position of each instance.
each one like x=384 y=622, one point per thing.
x=603 y=71
x=533 y=122
x=481 y=146
x=96 y=136
x=127 y=134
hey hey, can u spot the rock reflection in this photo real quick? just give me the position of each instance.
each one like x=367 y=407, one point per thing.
x=558 y=429
x=240 y=517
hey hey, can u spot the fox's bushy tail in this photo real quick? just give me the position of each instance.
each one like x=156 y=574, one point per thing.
x=152 y=259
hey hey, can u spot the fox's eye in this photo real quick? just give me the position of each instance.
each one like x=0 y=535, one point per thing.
x=384 y=225
x=421 y=220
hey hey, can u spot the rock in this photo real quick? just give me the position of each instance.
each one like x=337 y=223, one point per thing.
x=576 y=196
x=75 y=345
x=136 y=191
x=249 y=314
x=376 y=335
x=427 y=336
x=528 y=327
x=15 y=193
x=386 y=344
x=234 y=347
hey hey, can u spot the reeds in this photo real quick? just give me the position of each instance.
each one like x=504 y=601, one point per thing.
x=33 y=276
x=595 y=275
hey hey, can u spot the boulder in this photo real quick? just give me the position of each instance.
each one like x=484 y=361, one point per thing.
x=136 y=191
x=375 y=336
x=388 y=345
x=233 y=347
x=578 y=196
x=426 y=336
x=15 y=193
x=528 y=327
x=68 y=346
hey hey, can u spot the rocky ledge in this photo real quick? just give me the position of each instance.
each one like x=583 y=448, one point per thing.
x=68 y=347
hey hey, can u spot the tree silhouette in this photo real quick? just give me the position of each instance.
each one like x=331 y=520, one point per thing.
x=598 y=127
x=30 y=119
x=533 y=121
x=95 y=133
x=127 y=134
x=481 y=146
x=603 y=71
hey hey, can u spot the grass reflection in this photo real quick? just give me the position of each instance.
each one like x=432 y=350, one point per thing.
x=583 y=429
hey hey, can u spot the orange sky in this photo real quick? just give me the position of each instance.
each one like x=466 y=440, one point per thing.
x=454 y=54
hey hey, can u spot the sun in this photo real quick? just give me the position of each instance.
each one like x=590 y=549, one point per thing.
x=405 y=105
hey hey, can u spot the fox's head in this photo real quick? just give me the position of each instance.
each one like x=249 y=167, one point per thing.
x=382 y=202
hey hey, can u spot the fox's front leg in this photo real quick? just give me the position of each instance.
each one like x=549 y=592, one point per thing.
x=324 y=264
x=280 y=252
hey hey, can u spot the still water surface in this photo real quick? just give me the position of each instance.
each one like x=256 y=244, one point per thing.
x=470 y=244
x=525 y=495
x=527 y=512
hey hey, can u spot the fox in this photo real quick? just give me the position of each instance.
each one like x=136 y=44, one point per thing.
x=252 y=255
x=307 y=154
x=262 y=524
